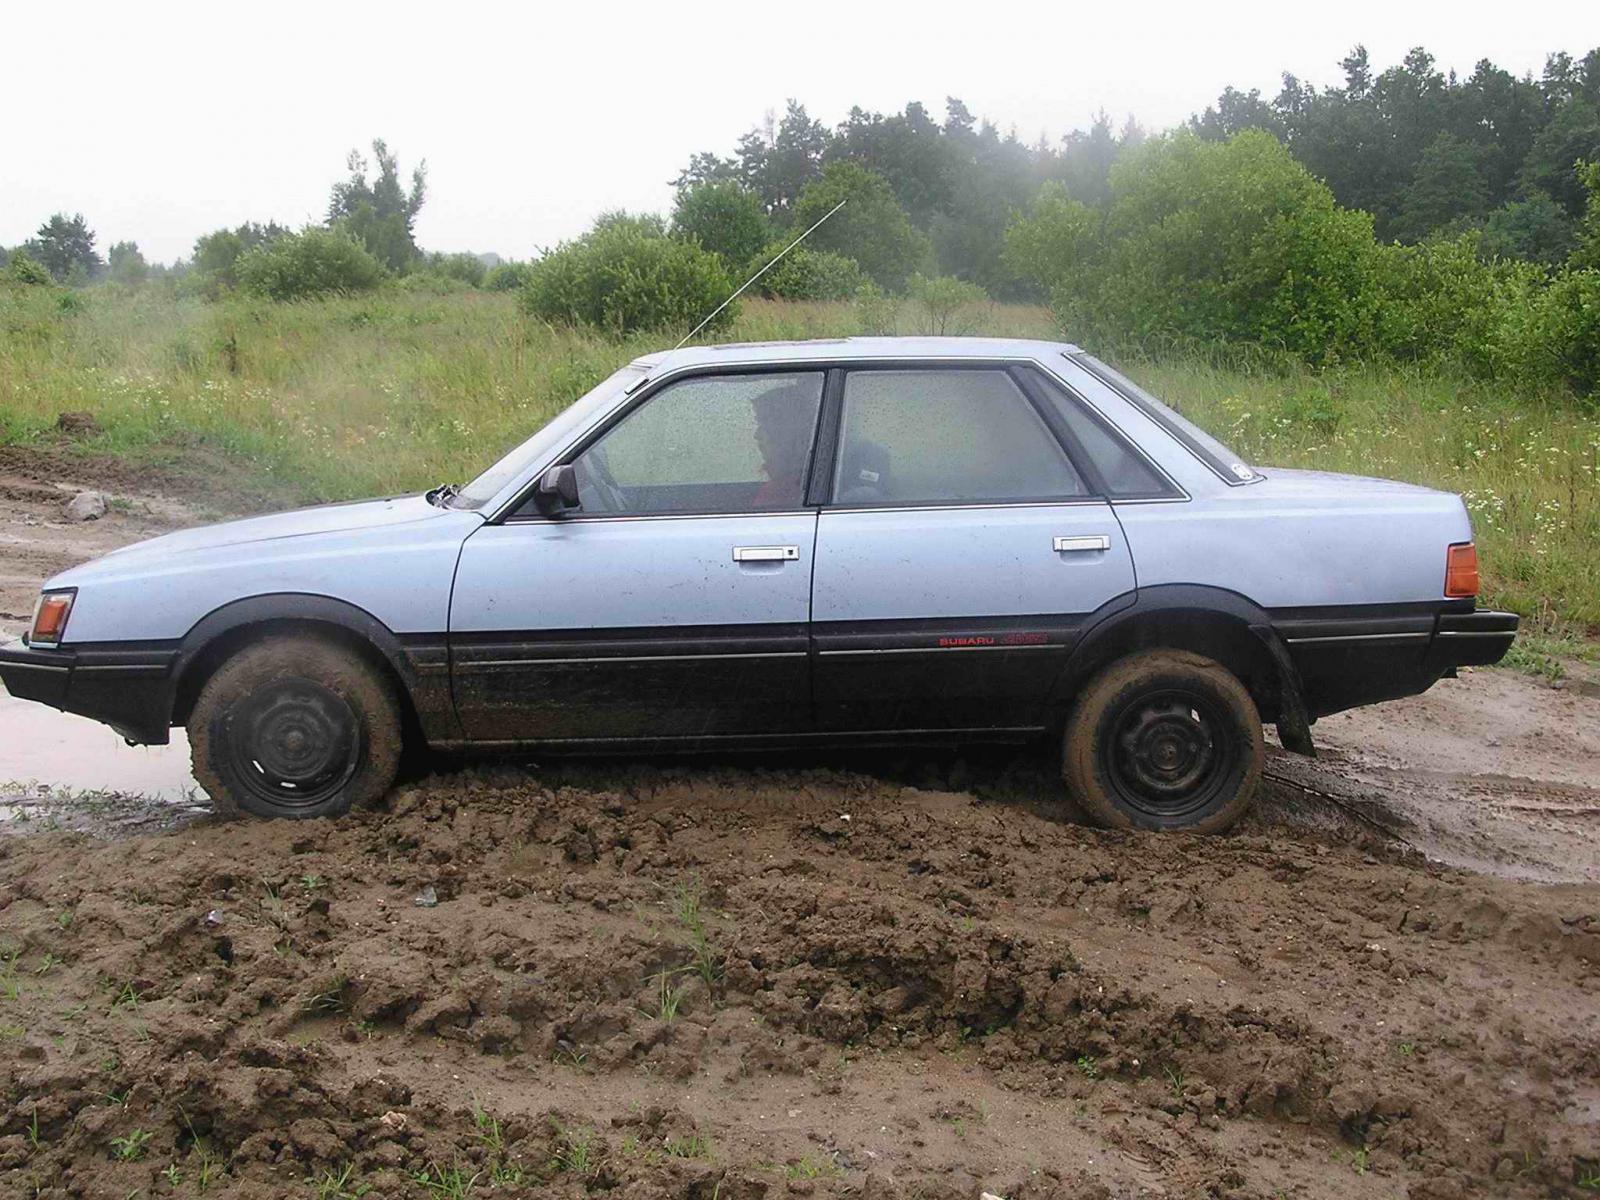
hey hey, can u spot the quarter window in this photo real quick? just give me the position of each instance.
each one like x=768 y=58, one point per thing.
x=720 y=444
x=1126 y=475
x=1197 y=441
x=945 y=436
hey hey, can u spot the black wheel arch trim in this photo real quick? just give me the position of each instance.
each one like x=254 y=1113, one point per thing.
x=420 y=662
x=1107 y=626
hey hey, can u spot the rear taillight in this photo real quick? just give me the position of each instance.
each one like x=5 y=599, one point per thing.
x=50 y=619
x=1461 y=571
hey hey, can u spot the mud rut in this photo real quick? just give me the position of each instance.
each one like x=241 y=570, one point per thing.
x=713 y=982
x=705 y=982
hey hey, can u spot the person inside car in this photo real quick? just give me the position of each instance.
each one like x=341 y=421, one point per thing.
x=784 y=416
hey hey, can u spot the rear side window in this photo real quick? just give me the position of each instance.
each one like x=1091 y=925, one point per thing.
x=945 y=436
x=1127 y=476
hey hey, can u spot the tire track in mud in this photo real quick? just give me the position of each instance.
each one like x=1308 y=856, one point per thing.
x=1512 y=826
x=945 y=992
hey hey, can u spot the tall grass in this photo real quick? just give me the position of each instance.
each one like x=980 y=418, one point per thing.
x=393 y=392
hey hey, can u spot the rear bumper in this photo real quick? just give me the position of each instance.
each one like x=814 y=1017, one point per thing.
x=128 y=687
x=1354 y=657
x=1473 y=639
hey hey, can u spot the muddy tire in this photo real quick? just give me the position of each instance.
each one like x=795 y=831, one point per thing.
x=1164 y=740
x=296 y=727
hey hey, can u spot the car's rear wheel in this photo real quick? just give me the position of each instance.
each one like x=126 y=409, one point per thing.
x=1164 y=740
x=294 y=726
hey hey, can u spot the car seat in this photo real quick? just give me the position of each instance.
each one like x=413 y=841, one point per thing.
x=864 y=475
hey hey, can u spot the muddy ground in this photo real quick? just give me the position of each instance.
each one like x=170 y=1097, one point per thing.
x=885 y=977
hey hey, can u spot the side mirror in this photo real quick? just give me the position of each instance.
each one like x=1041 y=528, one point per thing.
x=558 y=489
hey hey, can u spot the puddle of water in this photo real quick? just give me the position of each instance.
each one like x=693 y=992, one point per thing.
x=56 y=749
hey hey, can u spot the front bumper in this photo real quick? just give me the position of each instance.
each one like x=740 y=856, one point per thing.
x=128 y=687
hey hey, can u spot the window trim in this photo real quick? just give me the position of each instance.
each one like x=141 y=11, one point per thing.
x=512 y=514
x=1007 y=367
x=825 y=447
x=651 y=385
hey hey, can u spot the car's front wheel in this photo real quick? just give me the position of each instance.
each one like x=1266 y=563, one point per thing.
x=294 y=726
x=1164 y=740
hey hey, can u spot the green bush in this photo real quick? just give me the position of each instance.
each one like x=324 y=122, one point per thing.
x=723 y=217
x=433 y=283
x=24 y=270
x=872 y=228
x=1442 y=303
x=945 y=304
x=1564 y=331
x=313 y=262
x=1232 y=248
x=466 y=268
x=624 y=276
x=1055 y=245
x=806 y=274
x=876 y=312
x=505 y=277
x=217 y=254
x=1586 y=252
x=1231 y=240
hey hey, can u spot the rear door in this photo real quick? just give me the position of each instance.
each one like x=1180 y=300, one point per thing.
x=959 y=551
x=673 y=602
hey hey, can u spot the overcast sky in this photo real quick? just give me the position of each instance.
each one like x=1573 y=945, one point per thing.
x=163 y=121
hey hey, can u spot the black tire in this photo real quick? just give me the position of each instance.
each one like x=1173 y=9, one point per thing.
x=1164 y=740
x=294 y=726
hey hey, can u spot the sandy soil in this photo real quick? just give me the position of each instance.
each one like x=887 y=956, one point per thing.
x=907 y=978
x=36 y=539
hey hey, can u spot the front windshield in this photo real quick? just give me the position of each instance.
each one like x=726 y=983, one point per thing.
x=488 y=485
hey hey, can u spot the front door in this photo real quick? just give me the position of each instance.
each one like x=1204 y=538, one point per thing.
x=958 y=556
x=673 y=602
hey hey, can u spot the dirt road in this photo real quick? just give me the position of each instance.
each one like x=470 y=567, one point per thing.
x=919 y=979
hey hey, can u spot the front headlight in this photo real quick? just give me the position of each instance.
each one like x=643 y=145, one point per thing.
x=50 y=618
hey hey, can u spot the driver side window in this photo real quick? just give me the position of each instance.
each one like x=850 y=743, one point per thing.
x=719 y=444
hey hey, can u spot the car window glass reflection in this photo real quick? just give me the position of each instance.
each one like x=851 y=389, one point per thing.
x=914 y=437
x=731 y=443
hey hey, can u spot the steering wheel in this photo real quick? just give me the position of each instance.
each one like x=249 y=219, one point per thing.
x=611 y=496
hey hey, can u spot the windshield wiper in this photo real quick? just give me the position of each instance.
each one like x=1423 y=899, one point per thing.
x=443 y=494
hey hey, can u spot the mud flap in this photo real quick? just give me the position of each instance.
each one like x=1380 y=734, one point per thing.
x=1294 y=723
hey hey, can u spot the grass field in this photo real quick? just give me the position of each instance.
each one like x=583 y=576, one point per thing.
x=350 y=397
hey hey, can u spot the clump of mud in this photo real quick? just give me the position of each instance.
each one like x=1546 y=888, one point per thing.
x=709 y=983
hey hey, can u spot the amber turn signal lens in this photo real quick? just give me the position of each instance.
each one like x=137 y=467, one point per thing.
x=1461 y=571
x=50 y=618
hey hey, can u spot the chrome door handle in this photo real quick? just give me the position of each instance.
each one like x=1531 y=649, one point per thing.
x=766 y=553
x=1077 y=545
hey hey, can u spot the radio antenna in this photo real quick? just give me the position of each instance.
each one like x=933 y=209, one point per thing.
x=760 y=273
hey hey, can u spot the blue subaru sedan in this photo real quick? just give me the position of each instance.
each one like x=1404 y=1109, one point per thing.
x=868 y=541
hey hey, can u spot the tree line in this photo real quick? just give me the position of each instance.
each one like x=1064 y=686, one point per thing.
x=1405 y=216
x=1402 y=215
x=1426 y=153
x=367 y=238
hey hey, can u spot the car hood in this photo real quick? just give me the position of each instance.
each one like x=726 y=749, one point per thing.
x=356 y=516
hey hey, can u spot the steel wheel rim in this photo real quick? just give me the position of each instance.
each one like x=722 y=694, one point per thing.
x=1168 y=754
x=294 y=743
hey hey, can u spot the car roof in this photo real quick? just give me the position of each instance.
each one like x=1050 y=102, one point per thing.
x=823 y=350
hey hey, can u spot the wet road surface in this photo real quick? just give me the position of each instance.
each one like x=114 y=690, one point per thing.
x=39 y=745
